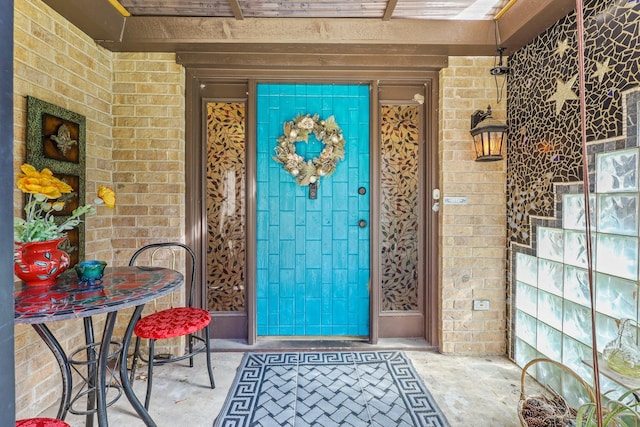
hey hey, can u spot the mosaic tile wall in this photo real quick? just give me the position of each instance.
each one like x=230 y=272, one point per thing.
x=546 y=214
x=543 y=108
x=399 y=210
x=225 y=206
x=552 y=313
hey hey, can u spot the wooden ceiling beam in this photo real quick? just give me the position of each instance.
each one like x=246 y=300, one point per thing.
x=171 y=34
x=99 y=19
x=526 y=19
x=103 y=23
x=237 y=10
x=323 y=58
x=388 y=11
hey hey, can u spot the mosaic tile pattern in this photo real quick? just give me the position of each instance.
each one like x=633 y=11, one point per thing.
x=543 y=107
x=225 y=206
x=551 y=289
x=329 y=389
x=121 y=287
x=399 y=210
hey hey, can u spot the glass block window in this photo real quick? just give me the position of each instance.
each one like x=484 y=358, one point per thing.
x=552 y=313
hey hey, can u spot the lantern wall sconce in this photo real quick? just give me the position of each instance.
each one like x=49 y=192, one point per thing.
x=488 y=136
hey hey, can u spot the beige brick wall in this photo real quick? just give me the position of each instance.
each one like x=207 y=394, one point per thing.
x=148 y=150
x=57 y=63
x=473 y=238
x=148 y=156
x=140 y=95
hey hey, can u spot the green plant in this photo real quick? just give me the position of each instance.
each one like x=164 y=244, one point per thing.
x=621 y=412
x=42 y=190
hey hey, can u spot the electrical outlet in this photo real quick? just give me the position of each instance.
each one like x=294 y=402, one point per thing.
x=481 y=304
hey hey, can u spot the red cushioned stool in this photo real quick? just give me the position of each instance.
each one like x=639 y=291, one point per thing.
x=41 y=422
x=173 y=322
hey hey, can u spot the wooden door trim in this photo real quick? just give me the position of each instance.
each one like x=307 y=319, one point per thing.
x=250 y=215
x=425 y=321
x=374 y=215
x=194 y=195
x=199 y=92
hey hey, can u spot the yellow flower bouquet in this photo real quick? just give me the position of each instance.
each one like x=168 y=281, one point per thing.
x=42 y=189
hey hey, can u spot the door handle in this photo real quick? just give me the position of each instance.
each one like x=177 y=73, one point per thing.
x=362 y=223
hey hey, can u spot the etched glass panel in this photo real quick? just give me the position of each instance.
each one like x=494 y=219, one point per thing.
x=617 y=171
x=550 y=244
x=575 y=248
x=577 y=322
x=618 y=213
x=527 y=269
x=526 y=327
x=573 y=217
x=550 y=309
x=399 y=163
x=526 y=298
x=576 y=285
x=616 y=297
x=549 y=341
x=617 y=255
x=225 y=204
x=550 y=276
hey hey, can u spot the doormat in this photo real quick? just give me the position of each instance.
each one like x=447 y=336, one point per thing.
x=369 y=388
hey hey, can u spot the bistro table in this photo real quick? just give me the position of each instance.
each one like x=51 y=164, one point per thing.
x=122 y=287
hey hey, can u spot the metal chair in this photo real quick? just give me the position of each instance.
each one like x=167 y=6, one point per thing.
x=41 y=422
x=174 y=322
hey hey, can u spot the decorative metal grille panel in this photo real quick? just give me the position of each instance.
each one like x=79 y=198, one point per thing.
x=225 y=206
x=399 y=210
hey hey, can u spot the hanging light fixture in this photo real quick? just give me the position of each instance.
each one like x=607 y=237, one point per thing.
x=488 y=136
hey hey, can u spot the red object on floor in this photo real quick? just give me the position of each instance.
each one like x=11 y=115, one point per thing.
x=41 y=422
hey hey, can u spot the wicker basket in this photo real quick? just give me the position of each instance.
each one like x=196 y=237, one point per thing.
x=553 y=405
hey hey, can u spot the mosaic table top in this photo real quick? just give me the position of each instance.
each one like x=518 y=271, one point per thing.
x=122 y=287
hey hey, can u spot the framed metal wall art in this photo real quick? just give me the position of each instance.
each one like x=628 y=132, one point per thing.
x=56 y=139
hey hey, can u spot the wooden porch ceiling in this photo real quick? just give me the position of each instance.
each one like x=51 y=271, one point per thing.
x=376 y=9
x=445 y=27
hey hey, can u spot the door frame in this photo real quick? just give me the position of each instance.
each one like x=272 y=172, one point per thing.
x=425 y=320
x=198 y=77
x=198 y=93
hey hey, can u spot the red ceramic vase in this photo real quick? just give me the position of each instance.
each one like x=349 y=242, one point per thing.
x=40 y=263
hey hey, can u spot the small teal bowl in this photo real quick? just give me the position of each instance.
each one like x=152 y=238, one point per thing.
x=90 y=272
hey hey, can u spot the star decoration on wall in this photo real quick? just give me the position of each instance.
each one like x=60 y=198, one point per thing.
x=563 y=93
x=602 y=68
x=563 y=47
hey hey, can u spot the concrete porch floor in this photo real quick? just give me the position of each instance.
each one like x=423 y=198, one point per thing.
x=471 y=391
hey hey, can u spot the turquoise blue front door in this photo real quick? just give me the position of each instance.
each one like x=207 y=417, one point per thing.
x=312 y=276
